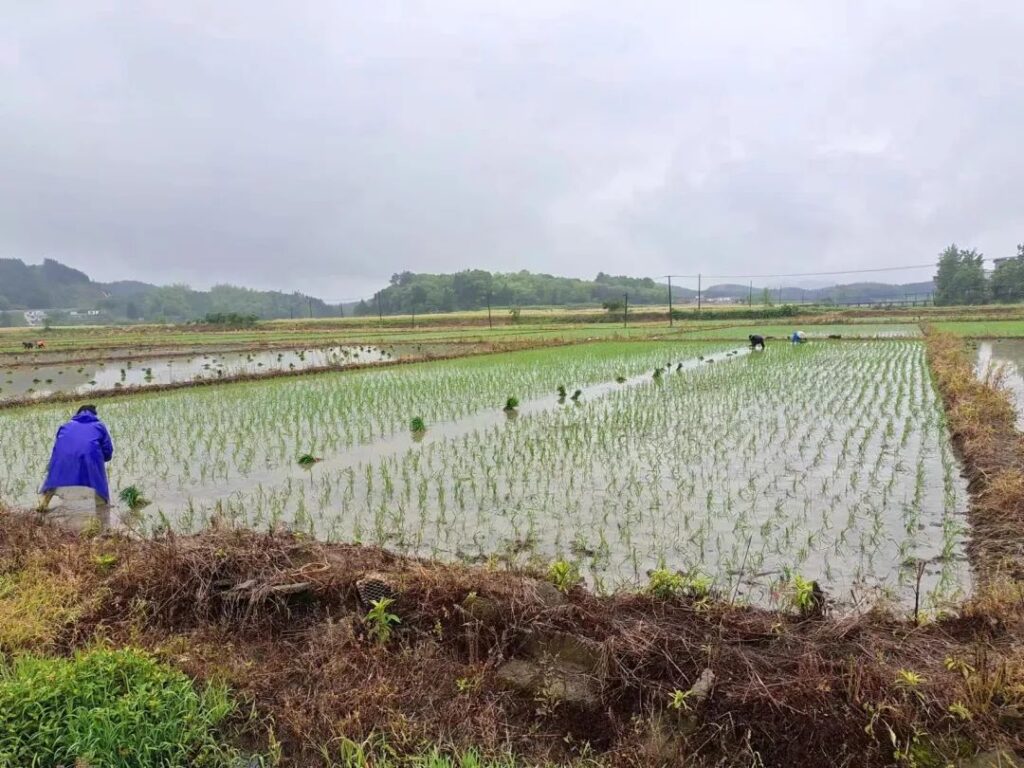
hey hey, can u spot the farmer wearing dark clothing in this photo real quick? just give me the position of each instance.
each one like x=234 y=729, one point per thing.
x=80 y=453
x=756 y=341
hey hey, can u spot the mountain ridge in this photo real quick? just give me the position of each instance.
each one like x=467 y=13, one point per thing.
x=58 y=289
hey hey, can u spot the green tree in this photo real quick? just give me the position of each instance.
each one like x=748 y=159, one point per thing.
x=945 y=275
x=1008 y=278
x=960 y=277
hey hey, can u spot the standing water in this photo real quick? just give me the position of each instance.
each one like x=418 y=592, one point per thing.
x=25 y=382
x=1005 y=358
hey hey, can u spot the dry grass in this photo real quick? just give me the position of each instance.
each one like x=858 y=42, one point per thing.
x=982 y=421
x=278 y=618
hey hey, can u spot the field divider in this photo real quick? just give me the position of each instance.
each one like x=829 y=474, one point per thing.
x=982 y=423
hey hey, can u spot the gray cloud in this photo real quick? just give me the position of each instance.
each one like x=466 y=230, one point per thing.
x=323 y=146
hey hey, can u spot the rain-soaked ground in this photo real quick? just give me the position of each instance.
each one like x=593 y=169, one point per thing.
x=1005 y=358
x=32 y=381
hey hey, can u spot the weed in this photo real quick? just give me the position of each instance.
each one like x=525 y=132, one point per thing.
x=380 y=623
x=564 y=575
x=35 y=605
x=665 y=584
x=907 y=678
x=677 y=700
x=111 y=708
x=105 y=563
x=960 y=711
x=806 y=596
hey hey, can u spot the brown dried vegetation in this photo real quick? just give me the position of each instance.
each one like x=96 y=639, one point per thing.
x=279 y=618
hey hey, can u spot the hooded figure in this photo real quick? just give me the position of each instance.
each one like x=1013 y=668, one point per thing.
x=80 y=452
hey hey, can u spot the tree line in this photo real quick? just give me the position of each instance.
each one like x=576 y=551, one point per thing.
x=961 y=278
x=472 y=289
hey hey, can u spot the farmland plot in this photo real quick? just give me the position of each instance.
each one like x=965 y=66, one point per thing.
x=829 y=461
x=197 y=446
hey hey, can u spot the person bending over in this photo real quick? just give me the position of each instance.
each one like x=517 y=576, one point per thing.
x=81 y=451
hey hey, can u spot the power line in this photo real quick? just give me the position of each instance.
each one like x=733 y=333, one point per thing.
x=813 y=274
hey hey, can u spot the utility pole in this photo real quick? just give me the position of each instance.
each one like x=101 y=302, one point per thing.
x=489 y=323
x=669 y=300
x=698 y=292
x=625 y=309
x=380 y=311
x=750 y=294
x=310 y=305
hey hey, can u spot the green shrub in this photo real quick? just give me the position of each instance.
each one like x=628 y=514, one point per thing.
x=116 y=709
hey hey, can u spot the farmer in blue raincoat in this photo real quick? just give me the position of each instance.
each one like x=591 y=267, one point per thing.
x=80 y=453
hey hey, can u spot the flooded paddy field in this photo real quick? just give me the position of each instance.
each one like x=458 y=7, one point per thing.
x=1004 y=358
x=37 y=380
x=829 y=461
x=813 y=331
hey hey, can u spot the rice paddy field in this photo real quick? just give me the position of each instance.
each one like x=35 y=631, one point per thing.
x=813 y=331
x=983 y=329
x=739 y=470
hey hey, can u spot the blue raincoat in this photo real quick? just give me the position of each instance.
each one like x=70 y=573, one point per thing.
x=80 y=451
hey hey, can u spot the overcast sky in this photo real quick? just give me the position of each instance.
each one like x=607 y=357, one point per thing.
x=323 y=146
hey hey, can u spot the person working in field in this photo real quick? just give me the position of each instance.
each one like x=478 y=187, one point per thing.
x=81 y=451
x=756 y=341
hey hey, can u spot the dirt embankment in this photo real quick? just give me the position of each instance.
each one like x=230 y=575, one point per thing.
x=501 y=660
x=982 y=421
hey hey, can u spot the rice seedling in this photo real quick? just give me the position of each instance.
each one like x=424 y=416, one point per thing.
x=308 y=460
x=133 y=497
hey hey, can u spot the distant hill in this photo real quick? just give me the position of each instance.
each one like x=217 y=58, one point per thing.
x=68 y=294
x=849 y=293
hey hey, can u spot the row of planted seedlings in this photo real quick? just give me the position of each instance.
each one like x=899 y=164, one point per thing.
x=829 y=462
x=189 y=449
